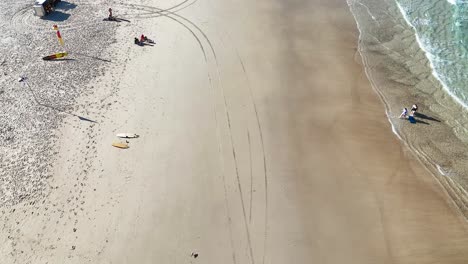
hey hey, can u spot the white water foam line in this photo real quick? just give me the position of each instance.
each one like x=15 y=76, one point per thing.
x=458 y=100
x=393 y=127
x=369 y=12
x=366 y=68
x=418 y=155
x=441 y=171
x=455 y=2
x=429 y=56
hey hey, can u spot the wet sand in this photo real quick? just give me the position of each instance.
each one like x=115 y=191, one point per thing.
x=399 y=69
x=261 y=141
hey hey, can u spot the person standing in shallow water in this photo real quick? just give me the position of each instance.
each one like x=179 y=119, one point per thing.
x=404 y=113
x=414 y=108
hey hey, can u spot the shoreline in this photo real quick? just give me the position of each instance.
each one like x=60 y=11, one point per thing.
x=434 y=72
x=428 y=147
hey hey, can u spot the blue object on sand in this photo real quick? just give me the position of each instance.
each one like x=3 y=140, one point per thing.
x=412 y=120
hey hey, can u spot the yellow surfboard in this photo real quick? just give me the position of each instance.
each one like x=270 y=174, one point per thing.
x=55 y=56
x=120 y=145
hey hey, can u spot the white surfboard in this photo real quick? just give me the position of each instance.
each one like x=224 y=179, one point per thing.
x=127 y=135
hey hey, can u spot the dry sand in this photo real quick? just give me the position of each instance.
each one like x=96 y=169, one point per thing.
x=261 y=142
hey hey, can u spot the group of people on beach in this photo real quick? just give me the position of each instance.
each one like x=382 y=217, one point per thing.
x=144 y=40
x=404 y=114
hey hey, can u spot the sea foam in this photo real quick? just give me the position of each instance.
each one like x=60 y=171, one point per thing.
x=428 y=44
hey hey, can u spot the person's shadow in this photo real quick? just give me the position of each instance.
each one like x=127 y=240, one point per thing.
x=416 y=121
x=423 y=116
x=57 y=16
x=65 y=6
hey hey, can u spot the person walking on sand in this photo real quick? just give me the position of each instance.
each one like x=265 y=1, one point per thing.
x=404 y=113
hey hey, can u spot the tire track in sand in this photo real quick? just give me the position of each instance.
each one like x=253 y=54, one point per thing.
x=226 y=108
x=265 y=173
x=260 y=131
x=175 y=17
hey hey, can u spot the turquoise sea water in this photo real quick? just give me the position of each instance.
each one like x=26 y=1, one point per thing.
x=441 y=28
x=416 y=51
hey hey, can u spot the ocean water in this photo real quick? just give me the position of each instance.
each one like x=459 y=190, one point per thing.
x=442 y=30
x=416 y=51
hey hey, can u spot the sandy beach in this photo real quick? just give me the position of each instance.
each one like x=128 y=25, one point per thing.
x=261 y=140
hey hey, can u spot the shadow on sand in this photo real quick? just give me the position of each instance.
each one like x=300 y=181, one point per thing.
x=56 y=108
x=413 y=120
x=423 y=116
x=57 y=16
x=91 y=57
x=116 y=19
x=61 y=59
x=65 y=6
x=422 y=122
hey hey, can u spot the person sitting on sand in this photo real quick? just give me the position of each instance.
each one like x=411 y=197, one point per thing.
x=139 y=43
x=111 y=17
x=404 y=113
x=144 y=38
